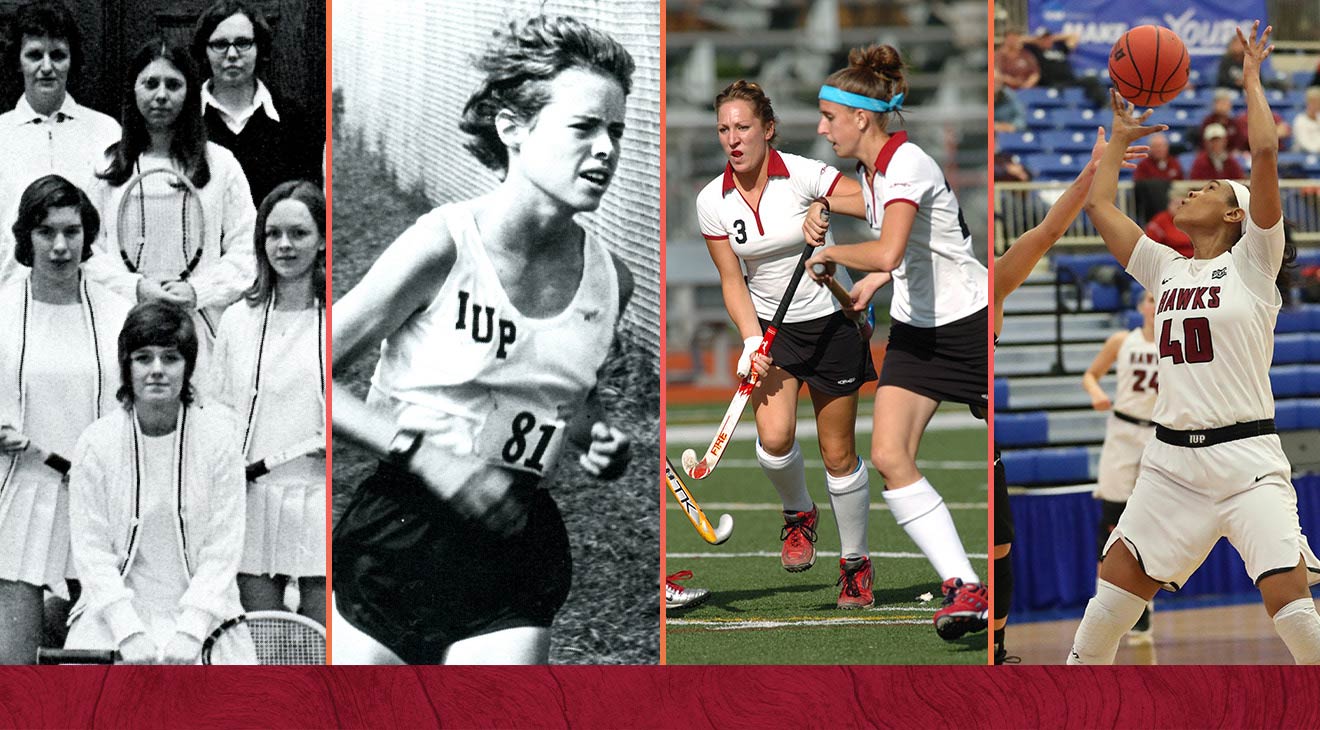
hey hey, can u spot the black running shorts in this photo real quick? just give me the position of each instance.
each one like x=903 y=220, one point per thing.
x=826 y=353
x=417 y=577
x=945 y=363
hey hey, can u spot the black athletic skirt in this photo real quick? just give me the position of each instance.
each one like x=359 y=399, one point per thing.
x=945 y=363
x=417 y=577
x=826 y=353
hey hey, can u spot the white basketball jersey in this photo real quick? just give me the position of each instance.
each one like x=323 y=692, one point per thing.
x=480 y=376
x=767 y=237
x=1214 y=329
x=1138 y=376
x=940 y=280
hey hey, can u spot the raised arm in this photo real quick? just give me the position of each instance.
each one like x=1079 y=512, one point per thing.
x=1119 y=232
x=1262 y=136
x=1099 y=366
x=1016 y=264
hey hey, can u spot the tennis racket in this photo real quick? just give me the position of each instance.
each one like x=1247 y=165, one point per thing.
x=161 y=225
x=279 y=637
x=49 y=458
x=260 y=468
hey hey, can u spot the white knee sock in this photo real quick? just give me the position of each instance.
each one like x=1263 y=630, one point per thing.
x=789 y=476
x=921 y=512
x=1112 y=613
x=850 y=499
x=1299 y=626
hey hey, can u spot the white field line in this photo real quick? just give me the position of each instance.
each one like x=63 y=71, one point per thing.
x=825 y=553
x=950 y=464
x=776 y=507
x=806 y=427
x=744 y=624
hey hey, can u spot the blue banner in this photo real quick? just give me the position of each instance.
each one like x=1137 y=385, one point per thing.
x=1205 y=26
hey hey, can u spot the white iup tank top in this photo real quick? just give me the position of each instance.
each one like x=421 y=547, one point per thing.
x=485 y=379
x=1138 y=376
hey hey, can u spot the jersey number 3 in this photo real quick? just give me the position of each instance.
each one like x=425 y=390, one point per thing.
x=741 y=227
x=1196 y=346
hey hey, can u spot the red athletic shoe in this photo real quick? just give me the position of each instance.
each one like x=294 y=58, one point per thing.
x=798 y=534
x=855 y=576
x=966 y=609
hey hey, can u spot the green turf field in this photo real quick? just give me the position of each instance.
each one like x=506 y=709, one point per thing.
x=760 y=614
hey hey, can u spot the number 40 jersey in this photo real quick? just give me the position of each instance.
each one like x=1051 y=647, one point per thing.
x=481 y=377
x=1214 y=327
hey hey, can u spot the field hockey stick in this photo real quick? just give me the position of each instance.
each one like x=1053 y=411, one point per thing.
x=258 y=469
x=844 y=298
x=702 y=469
x=276 y=637
x=712 y=535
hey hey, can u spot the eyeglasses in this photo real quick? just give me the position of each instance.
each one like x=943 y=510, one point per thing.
x=221 y=45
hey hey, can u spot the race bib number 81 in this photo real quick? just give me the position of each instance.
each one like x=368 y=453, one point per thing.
x=520 y=439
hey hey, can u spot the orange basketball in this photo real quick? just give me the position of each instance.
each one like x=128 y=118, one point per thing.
x=1148 y=65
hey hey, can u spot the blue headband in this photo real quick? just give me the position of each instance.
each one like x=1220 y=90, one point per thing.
x=857 y=101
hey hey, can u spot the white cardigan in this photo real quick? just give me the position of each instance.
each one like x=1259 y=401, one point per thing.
x=104 y=503
x=103 y=312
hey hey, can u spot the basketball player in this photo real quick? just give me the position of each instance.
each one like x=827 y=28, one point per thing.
x=1011 y=269
x=1216 y=468
x=1129 y=427
x=937 y=346
x=494 y=316
x=752 y=216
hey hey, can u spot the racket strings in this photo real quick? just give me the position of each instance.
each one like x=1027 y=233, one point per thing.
x=161 y=228
x=282 y=641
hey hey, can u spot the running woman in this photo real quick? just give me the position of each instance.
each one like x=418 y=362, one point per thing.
x=57 y=376
x=494 y=316
x=1127 y=431
x=1216 y=468
x=752 y=216
x=270 y=368
x=937 y=345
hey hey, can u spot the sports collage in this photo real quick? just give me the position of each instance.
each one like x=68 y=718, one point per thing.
x=779 y=335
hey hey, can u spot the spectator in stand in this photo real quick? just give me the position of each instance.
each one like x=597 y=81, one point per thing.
x=1012 y=61
x=1307 y=124
x=1230 y=66
x=1010 y=115
x=1221 y=113
x=1215 y=162
x=1281 y=127
x=1161 y=228
x=1009 y=170
x=1052 y=51
x=1159 y=164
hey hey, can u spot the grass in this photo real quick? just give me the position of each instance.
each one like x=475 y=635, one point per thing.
x=612 y=614
x=760 y=614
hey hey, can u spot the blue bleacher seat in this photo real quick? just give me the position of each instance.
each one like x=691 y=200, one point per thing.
x=1039 y=97
x=1019 y=466
x=1001 y=393
x=1187 y=159
x=1302 y=78
x=1308 y=413
x=1075 y=96
x=1062 y=466
x=1085 y=119
x=1133 y=320
x=1046 y=166
x=1021 y=429
x=1286 y=381
x=1308 y=257
x=1311 y=380
x=1312 y=347
x=1072 y=141
x=1104 y=297
x=1014 y=143
x=1191 y=98
x=1293 y=320
x=1285 y=415
x=1290 y=348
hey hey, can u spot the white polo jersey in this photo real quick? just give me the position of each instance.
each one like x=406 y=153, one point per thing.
x=767 y=236
x=481 y=377
x=1138 y=376
x=940 y=280
x=1214 y=327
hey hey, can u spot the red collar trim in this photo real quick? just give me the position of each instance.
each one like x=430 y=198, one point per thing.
x=887 y=152
x=775 y=168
